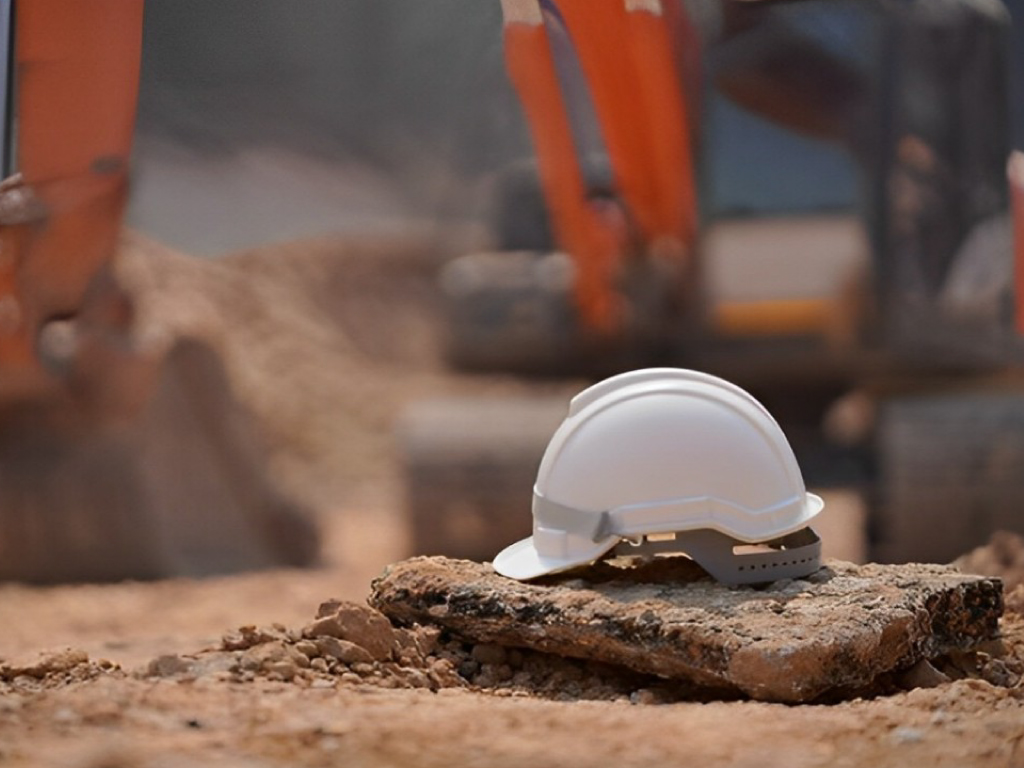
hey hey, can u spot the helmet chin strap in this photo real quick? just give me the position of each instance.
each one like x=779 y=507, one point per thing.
x=792 y=556
x=653 y=517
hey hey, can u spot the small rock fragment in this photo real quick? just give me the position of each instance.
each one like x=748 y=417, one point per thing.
x=263 y=658
x=488 y=653
x=249 y=636
x=443 y=675
x=469 y=668
x=343 y=650
x=922 y=675
x=168 y=665
x=997 y=672
x=427 y=639
x=643 y=696
x=284 y=670
x=358 y=624
x=307 y=649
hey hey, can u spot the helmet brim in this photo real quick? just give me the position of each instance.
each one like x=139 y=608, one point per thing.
x=521 y=560
x=813 y=504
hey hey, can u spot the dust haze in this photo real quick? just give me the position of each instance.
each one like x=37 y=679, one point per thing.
x=261 y=121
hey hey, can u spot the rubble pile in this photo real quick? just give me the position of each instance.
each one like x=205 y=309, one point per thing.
x=349 y=644
x=658 y=632
x=52 y=669
x=345 y=643
x=519 y=671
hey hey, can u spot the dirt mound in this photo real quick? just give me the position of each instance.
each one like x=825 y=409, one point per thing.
x=299 y=334
x=324 y=340
x=354 y=645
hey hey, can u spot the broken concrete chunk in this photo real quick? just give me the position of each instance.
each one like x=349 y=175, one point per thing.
x=250 y=636
x=356 y=624
x=791 y=641
x=343 y=650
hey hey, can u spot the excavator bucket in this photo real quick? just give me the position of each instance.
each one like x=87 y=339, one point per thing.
x=175 y=485
x=117 y=459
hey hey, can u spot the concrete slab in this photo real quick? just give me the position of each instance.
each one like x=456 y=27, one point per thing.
x=791 y=641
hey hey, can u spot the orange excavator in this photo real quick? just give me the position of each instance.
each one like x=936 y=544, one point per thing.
x=115 y=462
x=809 y=198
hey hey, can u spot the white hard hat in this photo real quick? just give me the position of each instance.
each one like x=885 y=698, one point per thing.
x=669 y=451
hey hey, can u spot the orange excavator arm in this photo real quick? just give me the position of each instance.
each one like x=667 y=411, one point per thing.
x=630 y=52
x=116 y=460
x=74 y=81
x=590 y=241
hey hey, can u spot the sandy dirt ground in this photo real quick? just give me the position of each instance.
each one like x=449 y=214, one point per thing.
x=326 y=341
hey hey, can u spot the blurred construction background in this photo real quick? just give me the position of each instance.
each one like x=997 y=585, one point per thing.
x=262 y=122
x=330 y=157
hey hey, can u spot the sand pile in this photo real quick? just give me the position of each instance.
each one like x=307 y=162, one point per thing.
x=325 y=341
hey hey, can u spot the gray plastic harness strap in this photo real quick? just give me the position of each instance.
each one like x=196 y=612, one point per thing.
x=550 y=514
x=793 y=556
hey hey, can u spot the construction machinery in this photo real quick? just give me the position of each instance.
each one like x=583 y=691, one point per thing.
x=808 y=198
x=618 y=246
x=117 y=460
